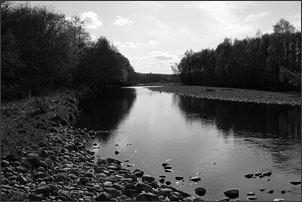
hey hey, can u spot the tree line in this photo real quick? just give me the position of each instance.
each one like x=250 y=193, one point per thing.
x=264 y=62
x=42 y=50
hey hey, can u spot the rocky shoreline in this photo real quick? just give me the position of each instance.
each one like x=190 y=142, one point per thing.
x=45 y=159
x=233 y=94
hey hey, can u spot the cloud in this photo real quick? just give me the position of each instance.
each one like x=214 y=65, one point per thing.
x=91 y=20
x=124 y=45
x=153 y=43
x=93 y=38
x=122 y=21
x=155 y=61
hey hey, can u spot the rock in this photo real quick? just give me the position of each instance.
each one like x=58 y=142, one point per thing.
x=72 y=176
x=173 y=197
x=168 y=167
x=84 y=180
x=295 y=182
x=278 y=199
x=21 y=169
x=43 y=164
x=130 y=192
x=165 y=164
x=146 y=197
x=107 y=184
x=4 y=163
x=45 y=190
x=270 y=191
x=22 y=179
x=143 y=187
x=224 y=199
x=200 y=191
x=33 y=197
x=114 y=192
x=252 y=198
x=168 y=182
x=103 y=197
x=168 y=170
x=179 y=178
x=232 y=193
x=267 y=173
x=129 y=186
x=33 y=159
x=198 y=199
x=138 y=173
x=116 y=152
x=89 y=174
x=195 y=179
x=39 y=175
x=164 y=192
x=112 y=167
x=262 y=189
x=148 y=178
x=250 y=193
x=257 y=173
x=283 y=191
x=161 y=180
x=249 y=175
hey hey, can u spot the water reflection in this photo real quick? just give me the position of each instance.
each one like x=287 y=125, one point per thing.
x=262 y=120
x=105 y=113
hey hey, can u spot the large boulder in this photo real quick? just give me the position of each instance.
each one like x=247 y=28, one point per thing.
x=146 y=197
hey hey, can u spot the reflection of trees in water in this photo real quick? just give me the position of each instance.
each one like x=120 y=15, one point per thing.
x=268 y=120
x=253 y=122
x=105 y=113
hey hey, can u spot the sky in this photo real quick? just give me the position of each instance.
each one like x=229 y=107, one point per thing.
x=154 y=35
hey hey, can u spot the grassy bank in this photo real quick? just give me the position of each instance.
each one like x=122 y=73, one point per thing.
x=233 y=94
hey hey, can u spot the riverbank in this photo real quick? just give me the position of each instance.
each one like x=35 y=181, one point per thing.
x=44 y=158
x=232 y=94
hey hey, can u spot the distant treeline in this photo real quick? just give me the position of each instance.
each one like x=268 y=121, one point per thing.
x=42 y=50
x=151 y=77
x=265 y=62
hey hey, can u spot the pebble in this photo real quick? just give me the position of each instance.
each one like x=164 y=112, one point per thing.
x=252 y=198
x=279 y=199
x=179 y=178
x=250 y=193
x=195 y=179
x=200 y=191
x=232 y=193
x=295 y=182
x=148 y=178
x=249 y=175
x=283 y=191
x=270 y=191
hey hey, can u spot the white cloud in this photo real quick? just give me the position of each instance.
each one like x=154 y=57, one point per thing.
x=91 y=20
x=124 y=45
x=153 y=43
x=122 y=21
x=155 y=61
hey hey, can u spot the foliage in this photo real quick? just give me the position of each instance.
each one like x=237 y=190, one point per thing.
x=42 y=50
x=265 y=62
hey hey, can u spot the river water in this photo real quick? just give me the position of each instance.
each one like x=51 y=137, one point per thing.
x=220 y=141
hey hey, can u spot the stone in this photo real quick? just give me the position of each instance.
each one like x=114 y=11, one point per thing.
x=179 y=178
x=88 y=174
x=72 y=176
x=138 y=173
x=168 y=170
x=21 y=169
x=267 y=173
x=146 y=197
x=39 y=175
x=283 y=191
x=129 y=186
x=257 y=173
x=197 y=199
x=262 y=189
x=114 y=192
x=116 y=152
x=195 y=179
x=270 y=191
x=200 y=191
x=107 y=184
x=252 y=198
x=232 y=193
x=279 y=199
x=130 y=192
x=143 y=187
x=168 y=182
x=4 y=163
x=168 y=167
x=45 y=190
x=161 y=180
x=22 y=179
x=173 y=197
x=295 y=182
x=165 y=164
x=164 y=192
x=250 y=193
x=104 y=196
x=33 y=197
x=249 y=175
x=148 y=178
x=84 y=180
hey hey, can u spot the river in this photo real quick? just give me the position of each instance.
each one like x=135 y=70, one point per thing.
x=220 y=141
